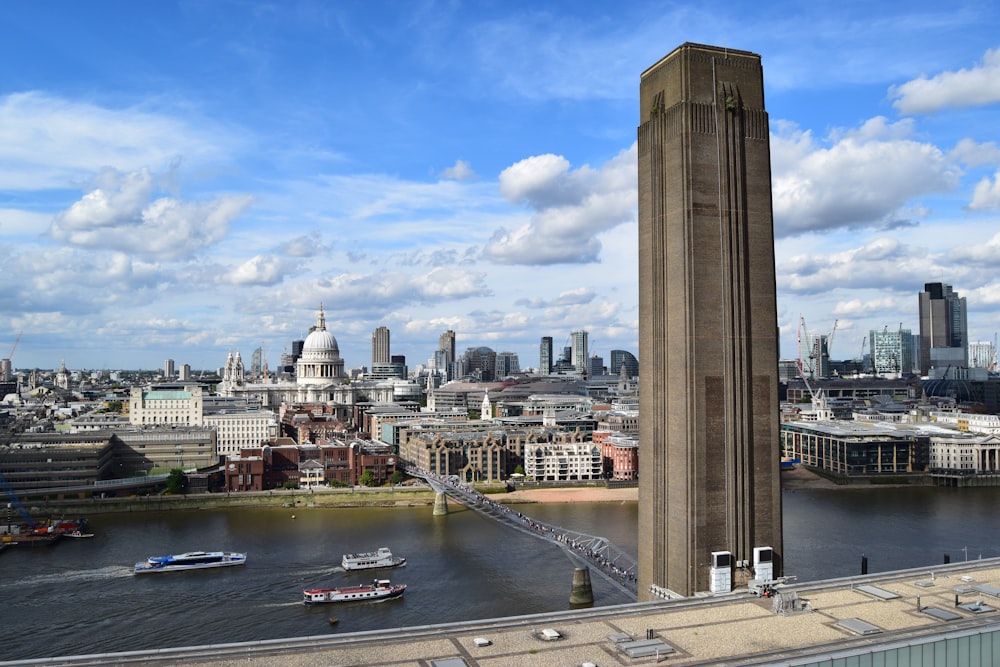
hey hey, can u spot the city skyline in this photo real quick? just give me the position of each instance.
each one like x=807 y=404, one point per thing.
x=202 y=180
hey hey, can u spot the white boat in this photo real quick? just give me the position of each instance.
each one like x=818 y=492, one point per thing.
x=380 y=589
x=371 y=560
x=192 y=560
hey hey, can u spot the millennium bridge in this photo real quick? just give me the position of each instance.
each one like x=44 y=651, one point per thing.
x=598 y=553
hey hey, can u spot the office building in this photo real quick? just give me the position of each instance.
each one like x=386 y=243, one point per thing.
x=578 y=355
x=507 y=365
x=891 y=352
x=545 y=355
x=380 y=346
x=625 y=358
x=708 y=349
x=168 y=369
x=446 y=342
x=944 y=337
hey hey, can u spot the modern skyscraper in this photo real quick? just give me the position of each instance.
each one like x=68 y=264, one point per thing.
x=944 y=332
x=579 y=358
x=545 y=355
x=168 y=369
x=708 y=351
x=380 y=346
x=446 y=342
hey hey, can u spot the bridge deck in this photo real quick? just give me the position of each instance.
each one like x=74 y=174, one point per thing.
x=605 y=559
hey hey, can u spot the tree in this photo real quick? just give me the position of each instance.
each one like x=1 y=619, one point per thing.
x=176 y=481
x=397 y=477
x=367 y=478
x=519 y=470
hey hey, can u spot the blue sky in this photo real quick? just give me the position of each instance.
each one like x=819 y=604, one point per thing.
x=180 y=179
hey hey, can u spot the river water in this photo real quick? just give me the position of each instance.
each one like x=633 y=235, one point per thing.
x=80 y=596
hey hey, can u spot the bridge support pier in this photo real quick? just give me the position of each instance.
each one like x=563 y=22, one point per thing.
x=440 y=504
x=582 y=594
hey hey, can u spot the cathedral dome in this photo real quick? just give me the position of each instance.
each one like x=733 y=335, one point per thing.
x=320 y=363
x=321 y=340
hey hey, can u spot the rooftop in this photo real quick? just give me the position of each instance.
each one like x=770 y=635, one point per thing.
x=856 y=616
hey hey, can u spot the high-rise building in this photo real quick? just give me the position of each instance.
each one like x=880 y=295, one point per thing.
x=168 y=369
x=545 y=355
x=447 y=343
x=579 y=358
x=891 y=352
x=708 y=347
x=480 y=363
x=944 y=332
x=619 y=357
x=982 y=354
x=380 y=346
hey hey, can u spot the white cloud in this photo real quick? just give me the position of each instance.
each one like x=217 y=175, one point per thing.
x=258 y=270
x=120 y=215
x=974 y=154
x=460 y=171
x=50 y=142
x=863 y=179
x=975 y=86
x=978 y=253
x=570 y=209
x=986 y=194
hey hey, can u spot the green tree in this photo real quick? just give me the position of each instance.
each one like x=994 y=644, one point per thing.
x=519 y=470
x=367 y=478
x=176 y=481
x=397 y=477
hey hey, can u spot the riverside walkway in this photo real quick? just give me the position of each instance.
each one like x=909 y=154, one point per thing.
x=606 y=559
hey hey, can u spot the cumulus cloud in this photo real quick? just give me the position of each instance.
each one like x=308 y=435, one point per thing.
x=121 y=214
x=307 y=245
x=258 y=270
x=570 y=208
x=460 y=171
x=883 y=261
x=863 y=178
x=967 y=87
x=974 y=154
x=978 y=253
x=986 y=194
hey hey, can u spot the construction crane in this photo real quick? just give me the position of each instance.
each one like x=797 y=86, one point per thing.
x=10 y=357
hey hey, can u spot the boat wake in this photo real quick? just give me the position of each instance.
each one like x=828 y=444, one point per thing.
x=99 y=574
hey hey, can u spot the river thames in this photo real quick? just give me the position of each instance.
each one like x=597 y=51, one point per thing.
x=80 y=596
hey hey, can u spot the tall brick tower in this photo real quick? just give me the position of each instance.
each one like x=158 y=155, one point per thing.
x=708 y=347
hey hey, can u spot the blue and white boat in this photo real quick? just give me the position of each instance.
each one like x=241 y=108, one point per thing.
x=192 y=560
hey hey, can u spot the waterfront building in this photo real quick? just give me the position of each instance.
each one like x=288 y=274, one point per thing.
x=54 y=461
x=708 y=348
x=475 y=451
x=944 y=331
x=848 y=449
x=620 y=454
x=563 y=462
x=336 y=462
x=966 y=454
